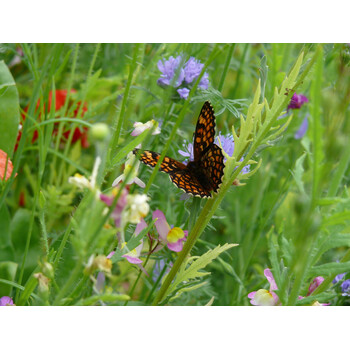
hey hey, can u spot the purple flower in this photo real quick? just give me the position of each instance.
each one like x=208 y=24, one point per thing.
x=314 y=284
x=192 y=69
x=6 y=301
x=186 y=75
x=184 y=92
x=188 y=153
x=172 y=237
x=302 y=129
x=169 y=70
x=339 y=278
x=297 y=101
x=204 y=83
x=345 y=286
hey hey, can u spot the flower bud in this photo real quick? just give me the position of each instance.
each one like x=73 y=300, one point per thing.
x=100 y=132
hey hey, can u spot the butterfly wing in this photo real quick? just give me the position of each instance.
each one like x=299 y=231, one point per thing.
x=168 y=165
x=178 y=172
x=212 y=165
x=187 y=182
x=205 y=131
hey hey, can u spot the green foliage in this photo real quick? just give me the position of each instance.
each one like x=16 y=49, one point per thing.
x=191 y=267
x=290 y=212
x=9 y=110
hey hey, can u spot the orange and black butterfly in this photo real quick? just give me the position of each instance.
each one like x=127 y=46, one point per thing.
x=202 y=175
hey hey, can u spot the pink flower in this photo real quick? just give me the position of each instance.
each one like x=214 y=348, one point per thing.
x=263 y=297
x=6 y=301
x=172 y=237
x=314 y=284
x=297 y=101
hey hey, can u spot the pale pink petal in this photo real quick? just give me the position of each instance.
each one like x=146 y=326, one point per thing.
x=176 y=247
x=139 y=182
x=132 y=259
x=251 y=296
x=161 y=224
x=275 y=297
x=140 y=226
x=110 y=254
x=117 y=180
x=269 y=276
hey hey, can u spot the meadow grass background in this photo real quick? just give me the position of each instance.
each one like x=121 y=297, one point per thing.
x=291 y=216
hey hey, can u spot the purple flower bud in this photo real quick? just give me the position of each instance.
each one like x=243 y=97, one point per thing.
x=345 y=286
x=339 y=277
x=297 y=101
x=184 y=92
x=314 y=284
x=6 y=301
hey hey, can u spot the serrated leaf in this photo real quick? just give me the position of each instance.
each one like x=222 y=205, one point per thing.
x=190 y=268
x=108 y=298
x=322 y=297
x=336 y=219
x=335 y=241
x=329 y=269
x=186 y=289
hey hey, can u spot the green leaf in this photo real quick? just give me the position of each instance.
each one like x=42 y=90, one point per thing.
x=6 y=248
x=298 y=173
x=329 y=269
x=273 y=256
x=8 y=271
x=322 y=297
x=133 y=242
x=190 y=268
x=336 y=219
x=9 y=110
x=108 y=298
x=335 y=241
x=128 y=148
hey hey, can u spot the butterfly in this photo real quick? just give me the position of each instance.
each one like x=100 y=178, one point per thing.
x=202 y=175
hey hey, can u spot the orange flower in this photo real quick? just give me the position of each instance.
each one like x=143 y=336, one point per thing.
x=79 y=134
x=5 y=164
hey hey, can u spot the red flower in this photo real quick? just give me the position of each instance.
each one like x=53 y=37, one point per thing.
x=79 y=134
x=5 y=163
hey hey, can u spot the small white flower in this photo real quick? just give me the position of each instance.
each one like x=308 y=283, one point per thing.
x=82 y=182
x=141 y=127
x=137 y=208
x=133 y=176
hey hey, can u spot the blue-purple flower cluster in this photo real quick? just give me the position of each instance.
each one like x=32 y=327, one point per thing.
x=345 y=286
x=182 y=75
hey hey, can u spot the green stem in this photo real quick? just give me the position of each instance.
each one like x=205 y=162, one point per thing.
x=226 y=66
x=120 y=120
x=136 y=281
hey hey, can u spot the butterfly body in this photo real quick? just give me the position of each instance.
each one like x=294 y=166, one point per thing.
x=202 y=175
